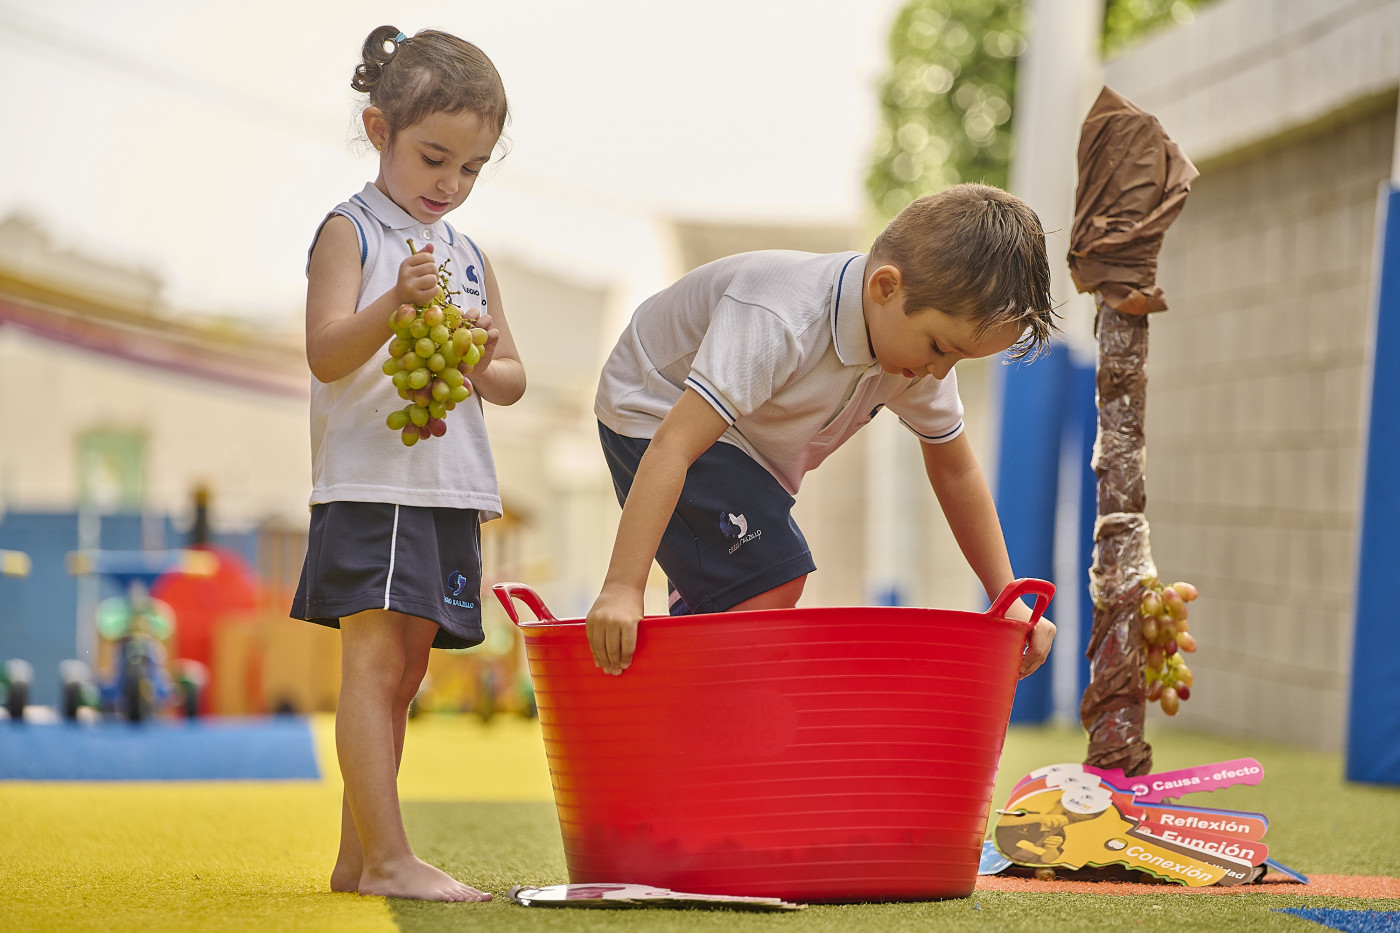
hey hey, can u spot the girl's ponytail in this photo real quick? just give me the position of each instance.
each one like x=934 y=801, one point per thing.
x=381 y=46
x=433 y=72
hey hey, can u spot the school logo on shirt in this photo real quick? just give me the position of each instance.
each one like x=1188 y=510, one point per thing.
x=472 y=277
x=456 y=582
x=736 y=528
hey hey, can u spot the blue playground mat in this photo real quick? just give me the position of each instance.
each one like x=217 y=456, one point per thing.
x=1349 y=921
x=220 y=749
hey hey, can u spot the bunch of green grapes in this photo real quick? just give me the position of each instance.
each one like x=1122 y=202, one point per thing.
x=1164 y=631
x=433 y=349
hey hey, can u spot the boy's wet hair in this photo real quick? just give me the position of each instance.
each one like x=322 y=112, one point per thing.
x=412 y=77
x=975 y=252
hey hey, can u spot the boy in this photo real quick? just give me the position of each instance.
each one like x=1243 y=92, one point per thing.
x=781 y=356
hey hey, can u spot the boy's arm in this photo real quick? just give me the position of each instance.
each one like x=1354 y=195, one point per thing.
x=687 y=431
x=972 y=515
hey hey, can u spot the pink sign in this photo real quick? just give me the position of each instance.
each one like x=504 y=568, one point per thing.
x=1166 y=785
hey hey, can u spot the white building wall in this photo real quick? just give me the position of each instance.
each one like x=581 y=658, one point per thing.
x=251 y=448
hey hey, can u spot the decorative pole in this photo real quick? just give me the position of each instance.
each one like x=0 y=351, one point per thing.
x=1133 y=181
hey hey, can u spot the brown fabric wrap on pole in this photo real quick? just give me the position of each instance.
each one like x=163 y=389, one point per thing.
x=1133 y=181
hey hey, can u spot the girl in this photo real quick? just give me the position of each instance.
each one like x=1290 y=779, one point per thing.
x=393 y=555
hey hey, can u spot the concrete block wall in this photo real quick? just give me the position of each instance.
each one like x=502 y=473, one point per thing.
x=1256 y=376
x=1246 y=70
x=1254 y=430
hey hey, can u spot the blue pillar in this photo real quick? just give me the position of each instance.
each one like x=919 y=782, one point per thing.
x=1082 y=410
x=1373 y=736
x=1032 y=402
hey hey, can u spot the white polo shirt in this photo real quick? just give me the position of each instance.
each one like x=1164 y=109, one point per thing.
x=776 y=342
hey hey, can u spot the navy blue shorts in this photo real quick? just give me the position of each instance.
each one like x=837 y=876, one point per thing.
x=423 y=562
x=731 y=537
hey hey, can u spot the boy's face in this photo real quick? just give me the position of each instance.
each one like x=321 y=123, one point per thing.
x=928 y=342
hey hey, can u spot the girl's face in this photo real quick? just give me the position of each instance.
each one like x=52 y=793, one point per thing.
x=429 y=168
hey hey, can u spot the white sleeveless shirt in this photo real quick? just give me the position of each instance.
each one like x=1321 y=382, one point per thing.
x=354 y=454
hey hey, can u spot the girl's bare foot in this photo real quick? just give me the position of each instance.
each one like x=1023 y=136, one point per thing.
x=416 y=879
x=350 y=860
x=345 y=877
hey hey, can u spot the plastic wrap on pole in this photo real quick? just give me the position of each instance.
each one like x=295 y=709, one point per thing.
x=1122 y=558
x=1120 y=452
x=1114 y=705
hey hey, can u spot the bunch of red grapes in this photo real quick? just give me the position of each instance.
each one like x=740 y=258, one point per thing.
x=432 y=351
x=1165 y=633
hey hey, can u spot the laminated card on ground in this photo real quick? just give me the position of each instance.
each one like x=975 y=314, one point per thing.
x=636 y=895
x=1073 y=816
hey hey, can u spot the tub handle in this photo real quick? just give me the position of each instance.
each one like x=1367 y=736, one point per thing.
x=522 y=591
x=1043 y=590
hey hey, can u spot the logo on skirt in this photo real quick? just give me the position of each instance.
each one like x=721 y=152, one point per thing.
x=457 y=581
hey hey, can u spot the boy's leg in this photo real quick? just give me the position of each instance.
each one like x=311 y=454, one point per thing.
x=780 y=597
x=731 y=543
x=374 y=664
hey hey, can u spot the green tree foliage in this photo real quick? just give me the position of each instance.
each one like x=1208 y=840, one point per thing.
x=946 y=101
x=1127 y=21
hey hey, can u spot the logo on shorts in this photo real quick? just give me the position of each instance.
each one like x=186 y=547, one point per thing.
x=733 y=526
x=736 y=528
x=456 y=582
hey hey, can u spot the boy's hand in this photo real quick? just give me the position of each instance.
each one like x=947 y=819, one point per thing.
x=1037 y=646
x=612 y=630
x=418 y=278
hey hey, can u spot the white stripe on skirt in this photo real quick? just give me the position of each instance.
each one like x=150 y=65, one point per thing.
x=393 y=552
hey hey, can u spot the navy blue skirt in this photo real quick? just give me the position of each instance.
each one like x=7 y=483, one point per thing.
x=423 y=562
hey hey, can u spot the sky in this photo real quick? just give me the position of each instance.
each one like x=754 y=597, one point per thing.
x=205 y=141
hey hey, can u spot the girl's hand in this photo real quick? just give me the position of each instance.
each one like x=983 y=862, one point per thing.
x=488 y=349
x=497 y=375
x=418 y=278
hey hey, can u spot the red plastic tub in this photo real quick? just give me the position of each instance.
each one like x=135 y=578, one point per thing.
x=809 y=754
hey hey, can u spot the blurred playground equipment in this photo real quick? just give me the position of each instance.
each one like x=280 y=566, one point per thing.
x=486 y=680
x=134 y=677
x=204 y=627
x=17 y=674
x=265 y=662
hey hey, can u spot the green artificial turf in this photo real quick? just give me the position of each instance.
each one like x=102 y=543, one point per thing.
x=1318 y=824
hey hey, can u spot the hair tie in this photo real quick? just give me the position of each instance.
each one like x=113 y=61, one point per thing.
x=399 y=38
